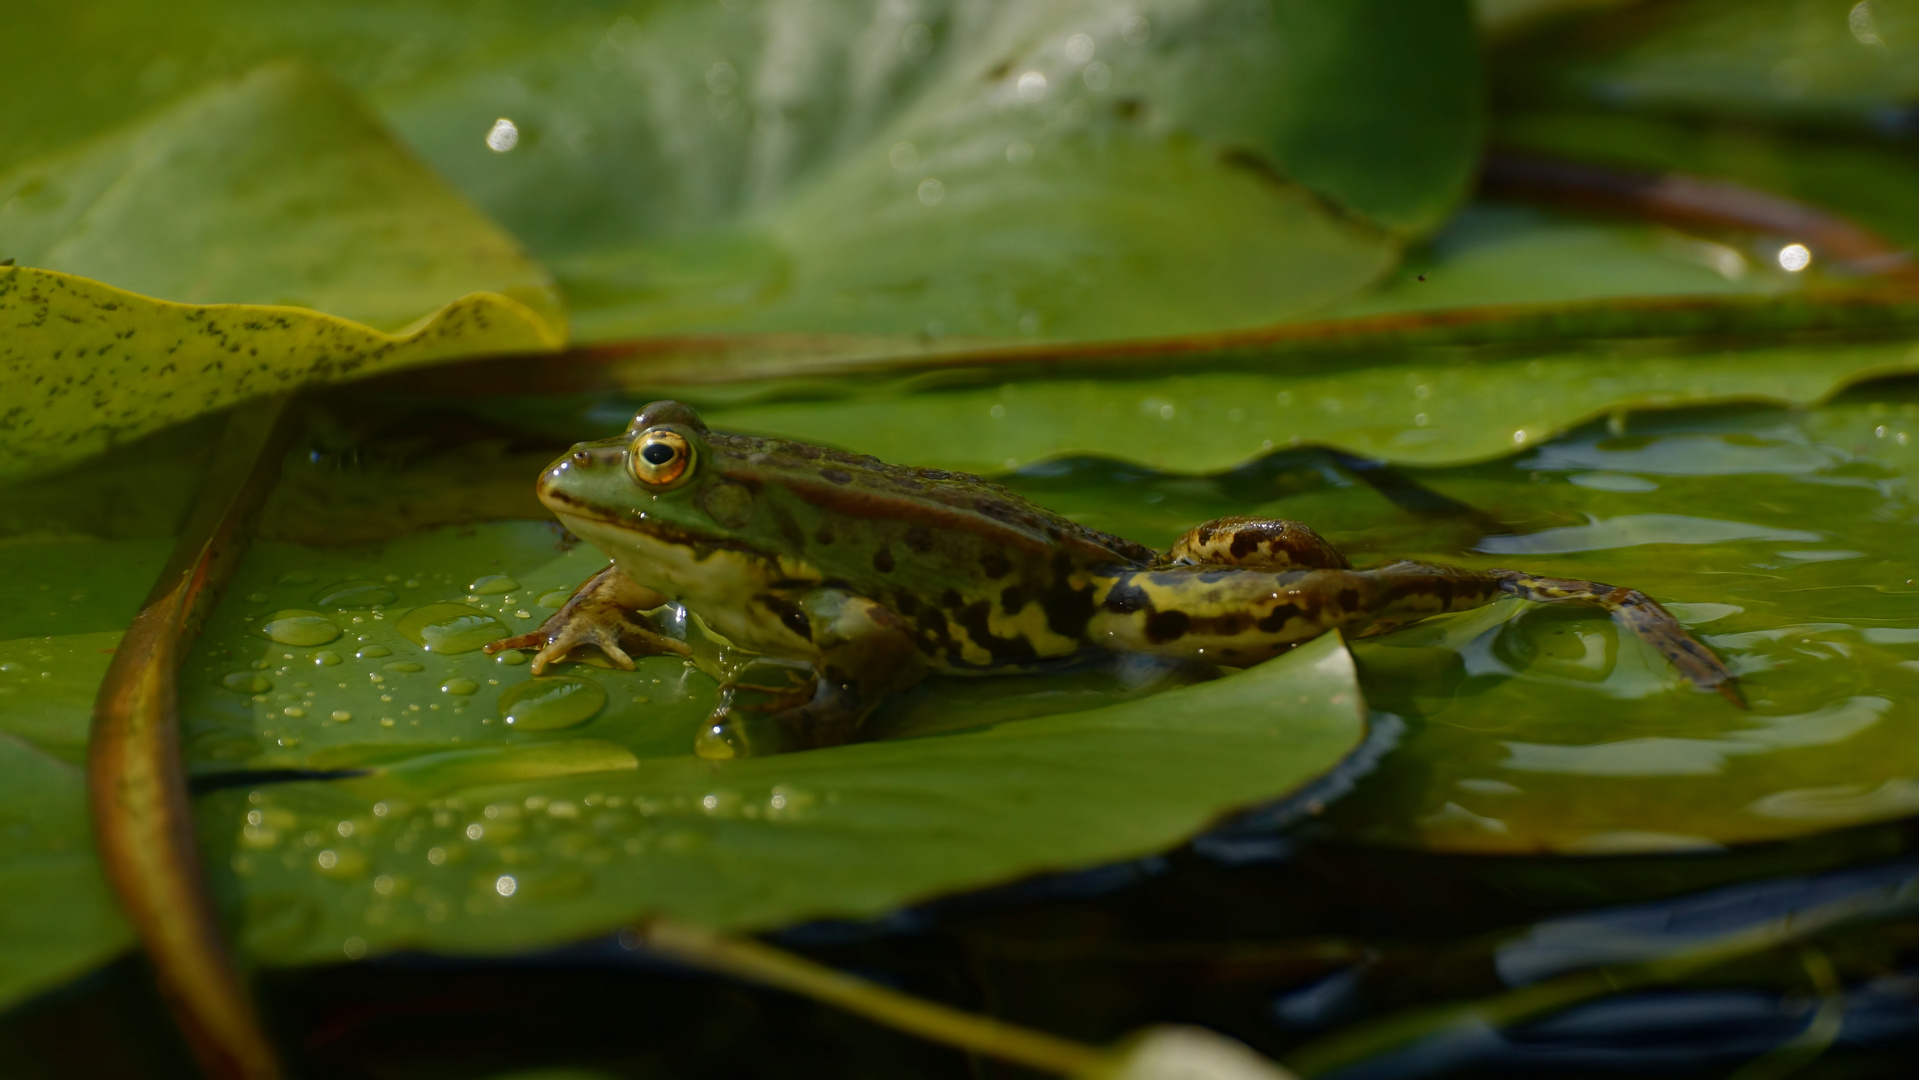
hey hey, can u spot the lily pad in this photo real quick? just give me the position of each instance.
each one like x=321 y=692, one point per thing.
x=1429 y=408
x=911 y=176
x=277 y=233
x=357 y=866
x=278 y=189
x=88 y=367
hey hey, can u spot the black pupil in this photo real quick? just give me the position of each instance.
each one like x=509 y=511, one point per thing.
x=657 y=453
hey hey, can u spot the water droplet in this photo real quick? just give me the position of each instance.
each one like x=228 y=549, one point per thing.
x=493 y=585
x=553 y=598
x=257 y=597
x=355 y=594
x=327 y=658
x=1135 y=29
x=247 y=682
x=297 y=628
x=547 y=704
x=341 y=716
x=1097 y=76
x=505 y=886
x=1794 y=258
x=932 y=192
x=461 y=687
x=353 y=947
x=718 y=743
x=404 y=666
x=504 y=135
x=436 y=856
x=511 y=658
x=296 y=577
x=450 y=628
x=903 y=156
x=373 y=652
x=1032 y=86
x=475 y=831
x=294 y=711
x=1079 y=48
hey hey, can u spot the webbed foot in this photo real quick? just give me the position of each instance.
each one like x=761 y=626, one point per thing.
x=603 y=613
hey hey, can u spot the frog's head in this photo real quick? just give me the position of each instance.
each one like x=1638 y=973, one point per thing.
x=658 y=479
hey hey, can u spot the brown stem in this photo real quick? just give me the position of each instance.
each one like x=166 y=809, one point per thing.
x=142 y=820
x=1693 y=202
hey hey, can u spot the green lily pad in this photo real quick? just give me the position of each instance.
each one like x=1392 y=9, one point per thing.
x=318 y=870
x=277 y=192
x=279 y=189
x=960 y=171
x=60 y=919
x=1428 y=409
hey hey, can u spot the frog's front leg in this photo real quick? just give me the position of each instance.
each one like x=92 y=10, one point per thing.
x=863 y=651
x=605 y=613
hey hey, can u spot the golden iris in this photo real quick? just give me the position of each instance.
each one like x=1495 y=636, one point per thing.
x=659 y=458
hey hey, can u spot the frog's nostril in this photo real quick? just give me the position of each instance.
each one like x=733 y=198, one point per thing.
x=581 y=457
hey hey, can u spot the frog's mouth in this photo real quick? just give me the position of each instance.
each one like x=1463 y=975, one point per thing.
x=600 y=527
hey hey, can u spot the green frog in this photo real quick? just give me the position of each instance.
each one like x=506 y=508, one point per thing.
x=867 y=576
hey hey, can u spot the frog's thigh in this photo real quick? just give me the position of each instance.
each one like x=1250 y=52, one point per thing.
x=1255 y=543
x=864 y=652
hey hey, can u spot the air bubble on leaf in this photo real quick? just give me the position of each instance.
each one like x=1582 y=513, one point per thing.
x=504 y=135
x=1032 y=86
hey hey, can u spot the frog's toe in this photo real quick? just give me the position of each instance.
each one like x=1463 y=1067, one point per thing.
x=533 y=640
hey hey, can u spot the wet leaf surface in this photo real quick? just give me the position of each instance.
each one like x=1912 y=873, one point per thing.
x=518 y=844
x=962 y=169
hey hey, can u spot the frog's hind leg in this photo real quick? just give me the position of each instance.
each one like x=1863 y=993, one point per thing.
x=1638 y=613
x=863 y=652
x=604 y=613
x=1255 y=543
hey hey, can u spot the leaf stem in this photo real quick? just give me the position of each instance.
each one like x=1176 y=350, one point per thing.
x=137 y=785
x=761 y=963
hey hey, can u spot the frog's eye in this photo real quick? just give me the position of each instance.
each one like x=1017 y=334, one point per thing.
x=659 y=458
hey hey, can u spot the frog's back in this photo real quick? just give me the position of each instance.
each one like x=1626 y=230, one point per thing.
x=986 y=578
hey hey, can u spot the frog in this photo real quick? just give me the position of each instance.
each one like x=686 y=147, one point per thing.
x=866 y=577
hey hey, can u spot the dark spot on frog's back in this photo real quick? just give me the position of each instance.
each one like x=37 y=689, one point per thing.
x=1125 y=598
x=837 y=476
x=883 y=560
x=1012 y=599
x=919 y=538
x=1347 y=599
x=823 y=536
x=1276 y=619
x=1166 y=625
x=1245 y=542
x=995 y=565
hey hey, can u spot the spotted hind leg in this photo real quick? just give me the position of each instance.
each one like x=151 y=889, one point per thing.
x=1638 y=613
